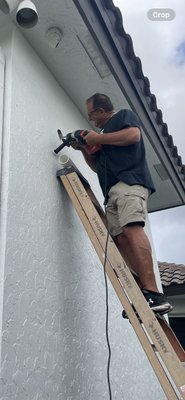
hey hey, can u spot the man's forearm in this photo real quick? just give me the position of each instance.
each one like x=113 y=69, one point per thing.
x=124 y=137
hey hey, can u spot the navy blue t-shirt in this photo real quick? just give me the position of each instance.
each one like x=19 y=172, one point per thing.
x=122 y=163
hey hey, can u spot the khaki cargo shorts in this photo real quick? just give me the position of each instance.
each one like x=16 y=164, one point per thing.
x=126 y=204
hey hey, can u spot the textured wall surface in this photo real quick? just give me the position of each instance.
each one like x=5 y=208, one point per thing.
x=53 y=320
x=2 y=68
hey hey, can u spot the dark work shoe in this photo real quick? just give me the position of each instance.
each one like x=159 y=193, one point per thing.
x=157 y=302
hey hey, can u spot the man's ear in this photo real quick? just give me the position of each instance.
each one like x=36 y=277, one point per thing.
x=102 y=110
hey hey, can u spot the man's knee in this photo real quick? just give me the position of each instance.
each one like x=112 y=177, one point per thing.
x=129 y=232
x=124 y=235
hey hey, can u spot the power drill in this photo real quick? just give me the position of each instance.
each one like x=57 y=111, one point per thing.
x=76 y=136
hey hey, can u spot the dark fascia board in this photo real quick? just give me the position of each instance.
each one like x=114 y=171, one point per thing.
x=104 y=22
x=174 y=290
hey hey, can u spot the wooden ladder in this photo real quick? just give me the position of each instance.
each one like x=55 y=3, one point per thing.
x=155 y=335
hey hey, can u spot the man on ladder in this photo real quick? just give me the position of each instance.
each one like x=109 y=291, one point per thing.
x=126 y=183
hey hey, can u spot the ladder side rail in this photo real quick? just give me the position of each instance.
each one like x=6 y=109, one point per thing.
x=171 y=337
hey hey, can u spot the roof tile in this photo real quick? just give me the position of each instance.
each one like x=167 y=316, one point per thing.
x=171 y=273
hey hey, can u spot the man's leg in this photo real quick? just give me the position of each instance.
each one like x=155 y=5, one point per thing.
x=135 y=248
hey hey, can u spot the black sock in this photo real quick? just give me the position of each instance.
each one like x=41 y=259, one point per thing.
x=151 y=291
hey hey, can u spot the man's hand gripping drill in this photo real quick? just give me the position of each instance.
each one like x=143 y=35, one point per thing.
x=75 y=139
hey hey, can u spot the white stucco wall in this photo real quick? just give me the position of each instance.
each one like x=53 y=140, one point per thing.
x=2 y=68
x=53 y=317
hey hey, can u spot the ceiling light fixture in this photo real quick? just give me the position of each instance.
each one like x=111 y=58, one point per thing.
x=26 y=15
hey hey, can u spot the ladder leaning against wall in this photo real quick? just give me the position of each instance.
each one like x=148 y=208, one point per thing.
x=155 y=335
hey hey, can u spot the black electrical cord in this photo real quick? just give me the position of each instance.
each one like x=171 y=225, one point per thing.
x=106 y=287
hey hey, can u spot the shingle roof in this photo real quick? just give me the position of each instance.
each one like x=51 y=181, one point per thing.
x=126 y=43
x=171 y=274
